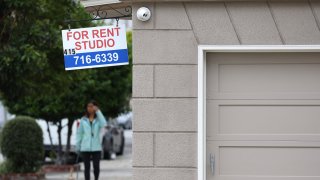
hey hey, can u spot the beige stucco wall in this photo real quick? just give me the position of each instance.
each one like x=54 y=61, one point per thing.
x=165 y=70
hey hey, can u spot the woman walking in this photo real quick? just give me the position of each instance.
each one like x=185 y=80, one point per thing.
x=88 y=138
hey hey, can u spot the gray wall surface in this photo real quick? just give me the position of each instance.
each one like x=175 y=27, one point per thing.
x=165 y=70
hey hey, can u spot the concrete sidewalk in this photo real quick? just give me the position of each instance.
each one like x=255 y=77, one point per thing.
x=113 y=173
x=118 y=169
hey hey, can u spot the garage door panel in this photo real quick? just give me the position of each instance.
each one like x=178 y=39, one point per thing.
x=265 y=96
x=213 y=73
x=269 y=119
x=259 y=143
x=212 y=125
x=263 y=76
x=262 y=57
x=213 y=149
x=257 y=78
x=277 y=118
x=265 y=178
x=272 y=102
x=265 y=137
x=237 y=160
x=261 y=161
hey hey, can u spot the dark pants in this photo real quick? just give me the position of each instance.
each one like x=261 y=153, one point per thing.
x=95 y=156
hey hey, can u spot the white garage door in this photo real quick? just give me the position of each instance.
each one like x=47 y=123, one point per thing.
x=263 y=116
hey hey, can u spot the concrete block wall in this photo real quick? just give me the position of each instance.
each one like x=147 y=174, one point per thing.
x=165 y=69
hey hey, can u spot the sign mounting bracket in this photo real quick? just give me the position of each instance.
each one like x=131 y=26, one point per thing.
x=103 y=12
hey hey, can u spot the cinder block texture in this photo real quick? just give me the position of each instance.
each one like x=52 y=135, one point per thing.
x=164 y=47
x=142 y=147
x=171 y=16
x=211 y=23
x=142 y=81
x=164 y=174
x=254 y=23
x=176 y=81
x=137 y=24
x=296 y=22
x=176 y=149
x=165 y=115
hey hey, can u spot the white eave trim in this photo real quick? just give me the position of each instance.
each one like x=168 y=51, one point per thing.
x=89 y=3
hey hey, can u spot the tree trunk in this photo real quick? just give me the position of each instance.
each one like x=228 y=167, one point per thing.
x=49 y=133
x=59 y=158
x=70 y=123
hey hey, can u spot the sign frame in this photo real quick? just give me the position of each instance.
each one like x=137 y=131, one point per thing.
x=95 y=47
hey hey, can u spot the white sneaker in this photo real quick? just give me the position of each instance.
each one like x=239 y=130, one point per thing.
x=113 y=156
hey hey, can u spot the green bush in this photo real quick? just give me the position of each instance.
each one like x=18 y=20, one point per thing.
x=22 y=144
x=5 y=167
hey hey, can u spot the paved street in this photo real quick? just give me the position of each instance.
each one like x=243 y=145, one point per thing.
x=119 y=169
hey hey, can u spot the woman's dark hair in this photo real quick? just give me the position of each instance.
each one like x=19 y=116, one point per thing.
x=86 y=113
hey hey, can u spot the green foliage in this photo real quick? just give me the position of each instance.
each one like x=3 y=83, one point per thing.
x=5 y=167
x=33 y=80
x=22 y=145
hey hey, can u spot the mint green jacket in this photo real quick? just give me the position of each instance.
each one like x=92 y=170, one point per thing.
x=88 y=135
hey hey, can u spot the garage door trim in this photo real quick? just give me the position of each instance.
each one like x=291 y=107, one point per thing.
x=202 y=51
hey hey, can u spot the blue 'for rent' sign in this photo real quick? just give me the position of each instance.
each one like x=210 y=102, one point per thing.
x=95 y=47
